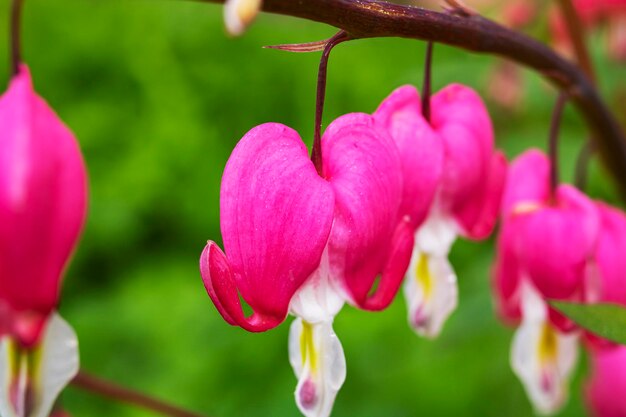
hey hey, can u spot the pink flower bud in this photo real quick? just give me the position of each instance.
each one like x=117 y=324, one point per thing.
x=43 y=197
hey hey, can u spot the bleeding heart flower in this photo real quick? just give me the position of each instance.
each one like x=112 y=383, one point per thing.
x=453 y=181
x=605 y=389
x=544 y=251
x=298 y=242
x=43 y=193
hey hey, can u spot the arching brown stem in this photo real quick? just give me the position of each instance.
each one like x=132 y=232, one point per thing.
x=369 y=19
x=108 y=389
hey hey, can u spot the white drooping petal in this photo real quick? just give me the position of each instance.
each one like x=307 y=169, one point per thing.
x=37 y=376
x=319 y=299
x=437 y=234
x=238 y=14
x=318 y=361
x=542 y=357
x=431 y=293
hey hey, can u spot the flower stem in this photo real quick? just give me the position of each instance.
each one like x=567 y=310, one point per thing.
x=554 y=141
x=576 y=32
x=316 y=153
x=582 y=164
x=426 y=88
x=14 y=35
x=108 y=389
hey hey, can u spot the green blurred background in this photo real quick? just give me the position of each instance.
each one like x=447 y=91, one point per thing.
x=158 y=96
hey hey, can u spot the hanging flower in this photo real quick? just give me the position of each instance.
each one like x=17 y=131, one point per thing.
x=544 y=251
x=43 y=193
x=453 y=181
x=296 y=241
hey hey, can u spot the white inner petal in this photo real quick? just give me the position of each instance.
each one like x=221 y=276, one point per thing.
x=238 y=14
x=37 y=376
x=318 y=361
x=437 y=234
x=319 y=299
x=542 y=357
x=431 y=293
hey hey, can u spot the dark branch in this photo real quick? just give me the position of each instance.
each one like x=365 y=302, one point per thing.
x=368 y=19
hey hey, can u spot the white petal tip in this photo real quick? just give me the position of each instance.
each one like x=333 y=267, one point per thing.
x=431 y=293
x=319 y=363
x=239 y=14
x=57 y=364
x=542 y=357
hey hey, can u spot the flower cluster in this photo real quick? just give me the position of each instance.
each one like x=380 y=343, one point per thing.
x=43 y=195
x=393 y=192
x=555 y=244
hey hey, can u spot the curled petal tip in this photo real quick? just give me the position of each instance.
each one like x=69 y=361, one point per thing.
x=392 y=275
x=219 y=283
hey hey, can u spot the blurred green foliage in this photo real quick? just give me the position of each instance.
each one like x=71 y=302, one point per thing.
x=158 y=96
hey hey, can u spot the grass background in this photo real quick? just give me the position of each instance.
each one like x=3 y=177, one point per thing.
x=158 y=96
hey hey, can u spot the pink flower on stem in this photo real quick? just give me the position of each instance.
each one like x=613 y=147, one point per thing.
x=545 y=250
x=43 y=193
x=453 y=182
x=303 y=243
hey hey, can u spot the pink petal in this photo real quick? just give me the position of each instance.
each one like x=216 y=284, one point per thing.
x=460 y=117
x=556 y=243
x=392 y=275
x=528 y=181
x=43 y=198
x=605 y=390
x=276 y=214
x=421 y=150
x=610 y=255
x=362 y=164
x=507 y=274
x=478 y=216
